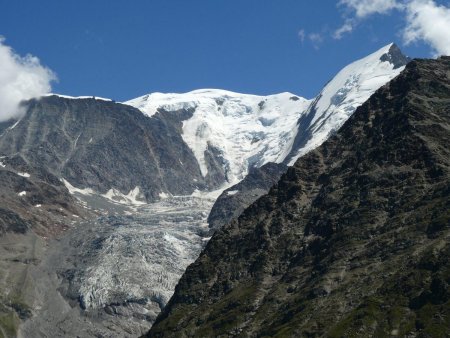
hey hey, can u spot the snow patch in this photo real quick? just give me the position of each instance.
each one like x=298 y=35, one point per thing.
x=22 y=193
x=78 y=97
x=73 y=190
x=24 y=174
x=15 y=124
x=210 y=195
x=232 y=192
x=163 y=195
x=134 y=197
x=2 y=164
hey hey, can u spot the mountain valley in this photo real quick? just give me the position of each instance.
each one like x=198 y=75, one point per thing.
x=104 y=205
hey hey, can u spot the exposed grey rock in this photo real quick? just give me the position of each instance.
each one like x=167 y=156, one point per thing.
x=234 y=200
x=396 y=57
x=103 y=145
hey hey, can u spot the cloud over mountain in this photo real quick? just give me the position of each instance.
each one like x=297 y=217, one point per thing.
x=425 y=20
x=21 y=78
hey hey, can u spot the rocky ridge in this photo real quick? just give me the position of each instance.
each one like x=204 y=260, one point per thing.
x=352 y=241
x=324 y=115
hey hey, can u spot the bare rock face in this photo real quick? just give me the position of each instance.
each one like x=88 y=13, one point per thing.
x=34 y=205
x=352 y=241
x=105 y=145
x=234 y=200
x=32 y=198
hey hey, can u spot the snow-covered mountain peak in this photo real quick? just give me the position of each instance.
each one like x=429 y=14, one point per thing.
x=150 y=103
x=237 y=131
x=350 y=88
x=355 y=83
x=244 y=129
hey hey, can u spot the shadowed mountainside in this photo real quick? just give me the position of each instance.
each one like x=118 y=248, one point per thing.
x=233 y=201
x=352 y=241
x=324 y=116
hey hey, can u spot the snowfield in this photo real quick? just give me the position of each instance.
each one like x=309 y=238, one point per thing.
x=250 y=130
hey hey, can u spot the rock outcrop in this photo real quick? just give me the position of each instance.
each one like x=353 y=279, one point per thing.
x=234 y=200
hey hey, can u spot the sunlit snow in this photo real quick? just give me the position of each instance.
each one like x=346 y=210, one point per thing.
x=249 y=130
x=349 y=89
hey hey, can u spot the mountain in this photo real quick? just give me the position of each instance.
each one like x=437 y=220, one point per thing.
x=25 y=188
x=106 y=147
x=234 y=200
x=229 y=132
x=325 y=114
x=352 y=241
x=175 y=144
x=337 y=101
x=103 y=205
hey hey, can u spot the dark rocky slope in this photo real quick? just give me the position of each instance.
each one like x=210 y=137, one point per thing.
x=34 y=205
x=233 y=201
x=352 y=241
x=228 y=206
x=103 y=145
x=31 y=198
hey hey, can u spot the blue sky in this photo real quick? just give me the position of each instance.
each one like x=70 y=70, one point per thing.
x=124 y=49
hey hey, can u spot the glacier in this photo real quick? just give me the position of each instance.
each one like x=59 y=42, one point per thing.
x=123 y=267
x=251 y=130
x=248 y=129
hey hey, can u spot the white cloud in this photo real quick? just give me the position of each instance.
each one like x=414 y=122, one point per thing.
x=316 y=39
x=364 y=8
x=361 y=9
x=301 y=35
x=347 y=27
x=425 y=20
x=21 y=78
x=428 y=22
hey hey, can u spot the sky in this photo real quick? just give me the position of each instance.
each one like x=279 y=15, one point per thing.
x=124 y=49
